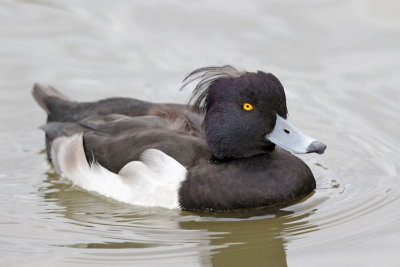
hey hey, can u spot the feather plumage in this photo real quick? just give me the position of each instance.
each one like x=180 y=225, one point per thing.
x=206 y=77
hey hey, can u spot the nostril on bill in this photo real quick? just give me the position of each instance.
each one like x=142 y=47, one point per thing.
x=317 y=147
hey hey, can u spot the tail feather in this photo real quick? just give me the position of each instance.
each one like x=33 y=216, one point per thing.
x=45 y=94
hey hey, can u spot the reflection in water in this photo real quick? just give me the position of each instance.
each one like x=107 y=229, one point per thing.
x=257 y=241
x=255 y=237
x=110 y=245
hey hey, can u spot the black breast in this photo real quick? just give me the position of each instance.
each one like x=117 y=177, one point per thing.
x=273 y=179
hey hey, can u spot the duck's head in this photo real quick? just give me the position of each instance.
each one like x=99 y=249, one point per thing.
x=246 y=113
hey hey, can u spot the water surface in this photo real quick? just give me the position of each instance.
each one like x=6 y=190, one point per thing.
x=339 y=62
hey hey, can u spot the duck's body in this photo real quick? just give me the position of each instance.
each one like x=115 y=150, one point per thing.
x=272 y=179
x=173 y=155
x=118 y=130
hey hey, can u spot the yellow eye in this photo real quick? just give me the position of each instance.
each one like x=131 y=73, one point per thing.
x=247 y=106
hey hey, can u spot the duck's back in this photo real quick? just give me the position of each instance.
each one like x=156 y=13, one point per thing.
x=113 y=150
x=118 y=130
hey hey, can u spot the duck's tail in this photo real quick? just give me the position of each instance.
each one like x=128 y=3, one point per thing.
x=45 y=96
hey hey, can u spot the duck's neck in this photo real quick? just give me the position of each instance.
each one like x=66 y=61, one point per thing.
x=226 y=141
x=221 y=156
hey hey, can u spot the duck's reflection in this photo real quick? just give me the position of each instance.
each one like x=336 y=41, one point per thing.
x=257 y=241
x=245 y=238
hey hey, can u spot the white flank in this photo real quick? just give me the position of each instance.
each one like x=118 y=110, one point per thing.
x=153 y=181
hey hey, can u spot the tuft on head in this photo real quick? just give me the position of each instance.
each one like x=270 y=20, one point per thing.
x=206 y=77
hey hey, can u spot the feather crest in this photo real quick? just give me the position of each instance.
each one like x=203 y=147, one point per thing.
x=206 y=77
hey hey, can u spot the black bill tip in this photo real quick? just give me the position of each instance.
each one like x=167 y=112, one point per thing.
x=317 y=147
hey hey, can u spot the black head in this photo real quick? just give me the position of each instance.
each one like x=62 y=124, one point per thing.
x=241 y=109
